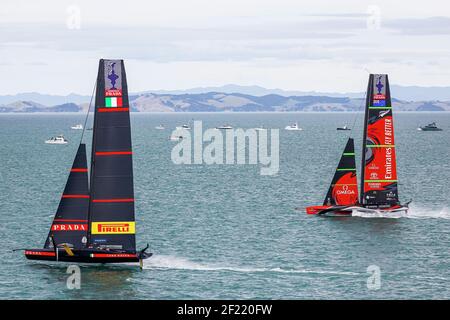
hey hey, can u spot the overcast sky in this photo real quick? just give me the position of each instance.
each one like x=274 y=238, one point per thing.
x=54 y=46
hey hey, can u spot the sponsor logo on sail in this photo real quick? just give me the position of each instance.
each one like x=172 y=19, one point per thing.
x=345 y=190
x=116 y=227
x=112 y=76
x=69 y=227
x=383 y=113
x=379 y=85
x=113 y=93
x=379 y=97
x=379 y=103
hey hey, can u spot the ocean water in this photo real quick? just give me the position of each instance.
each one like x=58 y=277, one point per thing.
x=225 y=231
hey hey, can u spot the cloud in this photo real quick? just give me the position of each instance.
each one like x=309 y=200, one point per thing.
x=420 y=26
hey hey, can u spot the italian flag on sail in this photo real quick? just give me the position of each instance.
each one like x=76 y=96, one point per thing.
x=113 y=102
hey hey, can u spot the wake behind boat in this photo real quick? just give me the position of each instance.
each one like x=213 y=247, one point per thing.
x=379 y=192
x=95 y=223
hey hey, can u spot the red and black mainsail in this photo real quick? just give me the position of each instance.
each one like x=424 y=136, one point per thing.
x=379 y=166
x=378 y=190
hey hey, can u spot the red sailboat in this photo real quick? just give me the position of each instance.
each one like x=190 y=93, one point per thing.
x=378 y=186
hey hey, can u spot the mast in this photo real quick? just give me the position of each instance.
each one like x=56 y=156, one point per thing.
x=70 y=224
x=344 y=186
x=111 y=209
x=379 y=167
x=363 y=158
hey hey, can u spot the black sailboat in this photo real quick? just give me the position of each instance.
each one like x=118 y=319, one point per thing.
x=95 y=222
x=379 y=166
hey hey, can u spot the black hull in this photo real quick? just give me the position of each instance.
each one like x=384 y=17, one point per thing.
x=84 y=256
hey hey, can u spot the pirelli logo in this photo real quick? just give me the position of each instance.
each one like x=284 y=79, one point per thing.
x=116 y=227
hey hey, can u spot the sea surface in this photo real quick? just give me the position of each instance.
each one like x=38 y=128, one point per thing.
x=226 y=231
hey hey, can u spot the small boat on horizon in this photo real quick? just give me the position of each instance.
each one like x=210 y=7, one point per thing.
x=344 y=128
x=57 y=140
x=260 y=128
x=160 y=127
x=429 y=127
x=293 y=127
x=379 y=184
x=175 y=138
x=224 y=127
x=77 y=127
x=183 y=127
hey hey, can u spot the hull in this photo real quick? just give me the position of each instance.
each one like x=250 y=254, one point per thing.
x=346 y=211
x=429 y=129
x=84 y=256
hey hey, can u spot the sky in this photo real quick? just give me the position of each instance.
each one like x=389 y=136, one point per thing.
x=53 y=47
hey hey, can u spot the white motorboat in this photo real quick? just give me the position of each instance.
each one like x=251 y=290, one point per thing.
x=160 y=127
x=57 y=140
x=261 y=128
x=224 y=127
x=77 y=127
x=183 y=127
x=175 y=138
x=293 y=127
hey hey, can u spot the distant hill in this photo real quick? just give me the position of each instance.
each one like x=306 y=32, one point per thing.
x=45 y=99
x=230 y=102
x=406 y=93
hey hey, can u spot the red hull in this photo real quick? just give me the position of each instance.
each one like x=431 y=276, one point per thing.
x=347 y=210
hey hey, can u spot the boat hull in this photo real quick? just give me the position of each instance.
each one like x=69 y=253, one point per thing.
x=84 y=256
x=342 y=211
x=429 y=129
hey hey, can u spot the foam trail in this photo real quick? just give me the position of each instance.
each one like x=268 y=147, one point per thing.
x=414 y=212
x=172 y=262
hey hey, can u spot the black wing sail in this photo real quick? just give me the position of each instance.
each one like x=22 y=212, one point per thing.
x=111 y=212
x=344 y=189
x=70 y=225
x=379 y=167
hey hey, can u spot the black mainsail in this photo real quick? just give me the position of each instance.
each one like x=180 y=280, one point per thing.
x=70 y=225
x=95 y=222
x=111 y=214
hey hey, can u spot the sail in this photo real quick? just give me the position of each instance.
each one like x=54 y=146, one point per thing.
x=344 y=186
x=111 y=211
x=379 y=168
x=70 y=225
